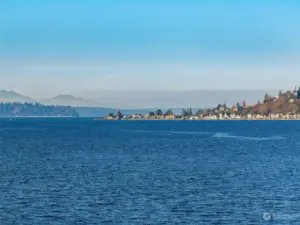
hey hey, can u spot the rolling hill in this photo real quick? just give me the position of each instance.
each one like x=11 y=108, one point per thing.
x=68 y=100
x=11 y=96
x=287 y=103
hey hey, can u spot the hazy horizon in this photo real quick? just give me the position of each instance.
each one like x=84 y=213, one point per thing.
x=162 y=99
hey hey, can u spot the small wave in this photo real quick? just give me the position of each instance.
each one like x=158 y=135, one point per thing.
x=171 y=132
x=143 y=131
x=227 y=135
x=295 y=216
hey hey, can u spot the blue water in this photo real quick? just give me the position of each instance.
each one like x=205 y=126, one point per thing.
x=80 y=171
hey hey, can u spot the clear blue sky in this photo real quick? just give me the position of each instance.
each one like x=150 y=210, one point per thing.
x=98 y=43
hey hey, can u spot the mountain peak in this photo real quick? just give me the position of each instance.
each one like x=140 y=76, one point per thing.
x=11 y=96
x=66 y=97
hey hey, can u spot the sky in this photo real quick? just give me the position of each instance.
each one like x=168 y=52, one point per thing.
x=84 y=47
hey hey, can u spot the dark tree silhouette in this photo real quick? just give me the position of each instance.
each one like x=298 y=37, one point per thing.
x=190 y=112
x=35 y=109
x=198 y=112
x=184 y=113
x=159 y=112
x=266 y=98
x=169 y=112
x=279 y=93
x=151 y=113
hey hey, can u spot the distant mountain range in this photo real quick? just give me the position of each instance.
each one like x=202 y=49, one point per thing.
x=11 y=96
x=141 y=102
x=68 y=100
x=85 y=108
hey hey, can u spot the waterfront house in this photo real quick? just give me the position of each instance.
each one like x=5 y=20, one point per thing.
x=136 y=116
x=170 y=117
x=291 y=100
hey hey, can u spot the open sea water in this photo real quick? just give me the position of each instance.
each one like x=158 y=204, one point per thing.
x=80 y=171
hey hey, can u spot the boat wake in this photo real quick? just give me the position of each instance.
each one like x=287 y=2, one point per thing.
x=227 y=135
x=213 y=134
x=172 y=132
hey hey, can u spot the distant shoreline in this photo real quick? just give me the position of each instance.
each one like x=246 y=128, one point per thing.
x=103 y=119
x=284 y=107
x=24 y=117
x=264 y=119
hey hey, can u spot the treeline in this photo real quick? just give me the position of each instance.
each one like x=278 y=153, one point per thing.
x=169 y=112
x=159 y=112
x=35 y=109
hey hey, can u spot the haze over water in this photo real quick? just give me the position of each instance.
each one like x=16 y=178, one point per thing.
x=79 y=171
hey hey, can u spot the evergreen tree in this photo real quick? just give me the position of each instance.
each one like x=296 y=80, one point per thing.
x=279 y=93
x=184 y=113
x=198 y=112
x=169 y=112
x=159 y=112
x=190 y=112
x=266 y=98
x=151 y=113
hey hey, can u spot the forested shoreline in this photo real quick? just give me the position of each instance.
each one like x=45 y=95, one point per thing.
x=13 y=109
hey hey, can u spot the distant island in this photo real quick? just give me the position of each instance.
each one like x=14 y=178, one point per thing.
x=284 y=107
x=14 y=109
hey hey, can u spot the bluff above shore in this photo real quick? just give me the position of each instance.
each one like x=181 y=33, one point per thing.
x=286 y=106
x=287 y=103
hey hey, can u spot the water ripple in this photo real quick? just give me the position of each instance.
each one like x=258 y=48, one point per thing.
x=99 y=173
